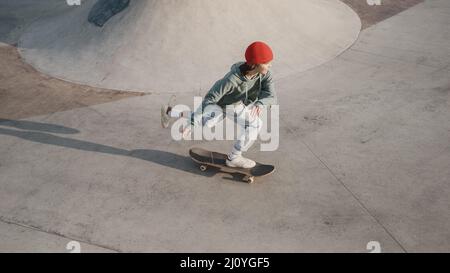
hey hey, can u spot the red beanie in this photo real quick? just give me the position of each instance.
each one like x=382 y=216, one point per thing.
x=258 y=53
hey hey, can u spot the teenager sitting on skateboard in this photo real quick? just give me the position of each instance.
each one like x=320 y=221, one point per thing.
x=248 y=87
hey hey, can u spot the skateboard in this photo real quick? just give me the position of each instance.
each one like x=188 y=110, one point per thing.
x=207 y=159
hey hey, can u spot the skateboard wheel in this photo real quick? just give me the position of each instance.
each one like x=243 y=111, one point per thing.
x=203 y=168
x=249 y=179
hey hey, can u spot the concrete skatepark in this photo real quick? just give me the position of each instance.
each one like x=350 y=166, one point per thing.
x=146 y=47
x=364 y=148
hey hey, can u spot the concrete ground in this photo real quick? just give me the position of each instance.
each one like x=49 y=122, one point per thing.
x=151 y=43
x=364 y=156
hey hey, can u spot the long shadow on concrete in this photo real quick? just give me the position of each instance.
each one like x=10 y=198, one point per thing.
x=163 y=158
x=38 y=126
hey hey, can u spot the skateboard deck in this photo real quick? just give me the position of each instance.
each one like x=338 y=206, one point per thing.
x=218 y=160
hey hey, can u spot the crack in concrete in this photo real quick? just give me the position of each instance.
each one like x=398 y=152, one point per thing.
x=345 y=187
x=392 y=58
x=30 y=227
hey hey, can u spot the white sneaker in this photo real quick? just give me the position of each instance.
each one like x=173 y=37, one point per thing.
x=165 y=118
x=165 y=109
x=241 y=162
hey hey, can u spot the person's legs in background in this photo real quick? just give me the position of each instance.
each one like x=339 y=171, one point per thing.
x=250 y=128
x=208 y=117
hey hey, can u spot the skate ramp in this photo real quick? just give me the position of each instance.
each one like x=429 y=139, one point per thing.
x=185 y=46
x=17 y=15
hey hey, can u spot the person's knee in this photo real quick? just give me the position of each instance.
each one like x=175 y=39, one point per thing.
x=256 y=124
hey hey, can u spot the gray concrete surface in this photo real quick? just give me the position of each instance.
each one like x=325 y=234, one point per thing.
x=17 y=16
x=147 y=46
x=379 y=118
x=15 y=238
x=364 y=156
x=132 y=188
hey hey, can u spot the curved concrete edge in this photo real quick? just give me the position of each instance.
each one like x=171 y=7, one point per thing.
x=25 y=55
x=16 y=16
x=356 y=39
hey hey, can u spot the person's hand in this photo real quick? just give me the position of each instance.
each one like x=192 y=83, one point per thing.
x=187 y=131
x=256 y=111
